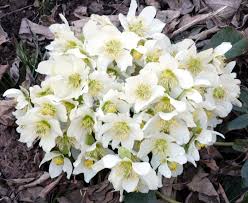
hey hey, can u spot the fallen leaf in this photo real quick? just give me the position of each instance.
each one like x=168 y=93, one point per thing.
x=3 y=36
x=232 y=7
x=154 y=3
x=184 y=6
x=3 y=69
x=80 y=12
x=6 y=109
x=29 y=194
x=167 y=16
x=211 y=164
x=28 y=29
x=202 y=184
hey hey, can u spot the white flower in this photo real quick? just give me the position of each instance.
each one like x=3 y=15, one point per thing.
x=66 y=82
x=58 y=164
x=163 y=150
x=223 y=95
x=87 y=160
x=112 y=45
x=142 y=89
x=120 y=129
x=130 y=175
x=112 y=102
x=34 y=126
x=168 y=73
x=144 y=25
x=82 y=124
x=175 y=127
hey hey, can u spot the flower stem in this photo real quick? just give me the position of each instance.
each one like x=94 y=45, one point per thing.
x=165 y=198
x=224 y=144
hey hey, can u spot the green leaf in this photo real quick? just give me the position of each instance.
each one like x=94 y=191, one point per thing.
x=229 y=34
x=244 y=173
x=136 y=197
x=240 y=145
x=238 y=123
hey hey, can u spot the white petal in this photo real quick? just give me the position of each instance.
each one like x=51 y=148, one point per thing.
x=164 y=170
x=124 y=60
x=130 y=184
x=222 y=48
x=132 y=9
x=55 y=170
x=148 y=14
x=141 y=168
x=67 y=167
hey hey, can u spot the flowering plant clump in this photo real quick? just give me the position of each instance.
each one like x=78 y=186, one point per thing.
x=129 y=101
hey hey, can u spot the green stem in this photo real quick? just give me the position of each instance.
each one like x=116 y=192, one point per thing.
x=165 y=198
x=224 y=144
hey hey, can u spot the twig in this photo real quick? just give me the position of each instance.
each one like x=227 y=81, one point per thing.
x=223 y=194
x=224 y=144
x=49 y=187
x=197 y=20
x=17 y=10
x=165 y=198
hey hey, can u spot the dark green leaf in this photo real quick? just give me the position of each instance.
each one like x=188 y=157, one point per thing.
x=136 y=197
x=238 y=123
x=229 y=34
x=240 y=145
x=232 y=186
x=244 y=173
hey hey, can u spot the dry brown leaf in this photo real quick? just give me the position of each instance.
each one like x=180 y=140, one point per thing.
x=231 y=7
x=28 y=29
x=80 y=12
x=154 y=3
x=184 y=6
x=211 y=164
x=202 y=184
x=168 y=15
x=6 y=109
x=3 y=69
x=3 y=36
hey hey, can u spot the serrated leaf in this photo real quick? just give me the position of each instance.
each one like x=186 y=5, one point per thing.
x=238 y=123
x=244 y=173
x=136 y=197
x=240 y=145
x=229 y=34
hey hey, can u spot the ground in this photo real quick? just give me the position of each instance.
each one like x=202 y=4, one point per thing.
x=21 y=179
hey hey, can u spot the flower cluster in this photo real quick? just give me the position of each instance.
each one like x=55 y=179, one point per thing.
x=129 y=101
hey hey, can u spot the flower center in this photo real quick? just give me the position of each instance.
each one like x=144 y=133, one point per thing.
x=68 y=105
x=95 y=87
x=165 y=126
x=97 y=153
x=71 y=44
x=218 y=93
x=164 y=105
x=168 y=80
x=136 y=55
x=75 y=80
x=113 y=48
x=137 y=27
x=88 y=163
x=153 y=56
x=121 y=130
x=125 y=169
x=143 y=91
x=199 y=145
x=48 y=110
x=194 y=65
x=59 y=160
x=160 y=147
x=87 y=122
x=42 y=127
x=172 y=166
x=109 y=107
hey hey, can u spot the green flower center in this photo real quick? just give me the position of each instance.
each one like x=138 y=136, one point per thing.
x=113 y=48
x=59 y=160
x=109 y=107
x=165 y=126
x=97 y=153
x=121 y=130
x=153 y=56
x=143 y=91
x=65 y=143
x=137 y=27
x=42 y=127
x=75 y=80
x=168 y=80
x=125 y=169
x=68 y=105
x=87 y=122
x=163 y=105
x=194 y=65
x=172 y=166
x=71 y=44
x=48 y=110
x=160 y=147
x=218 y=93
x=95 y=87
x=88 y=163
